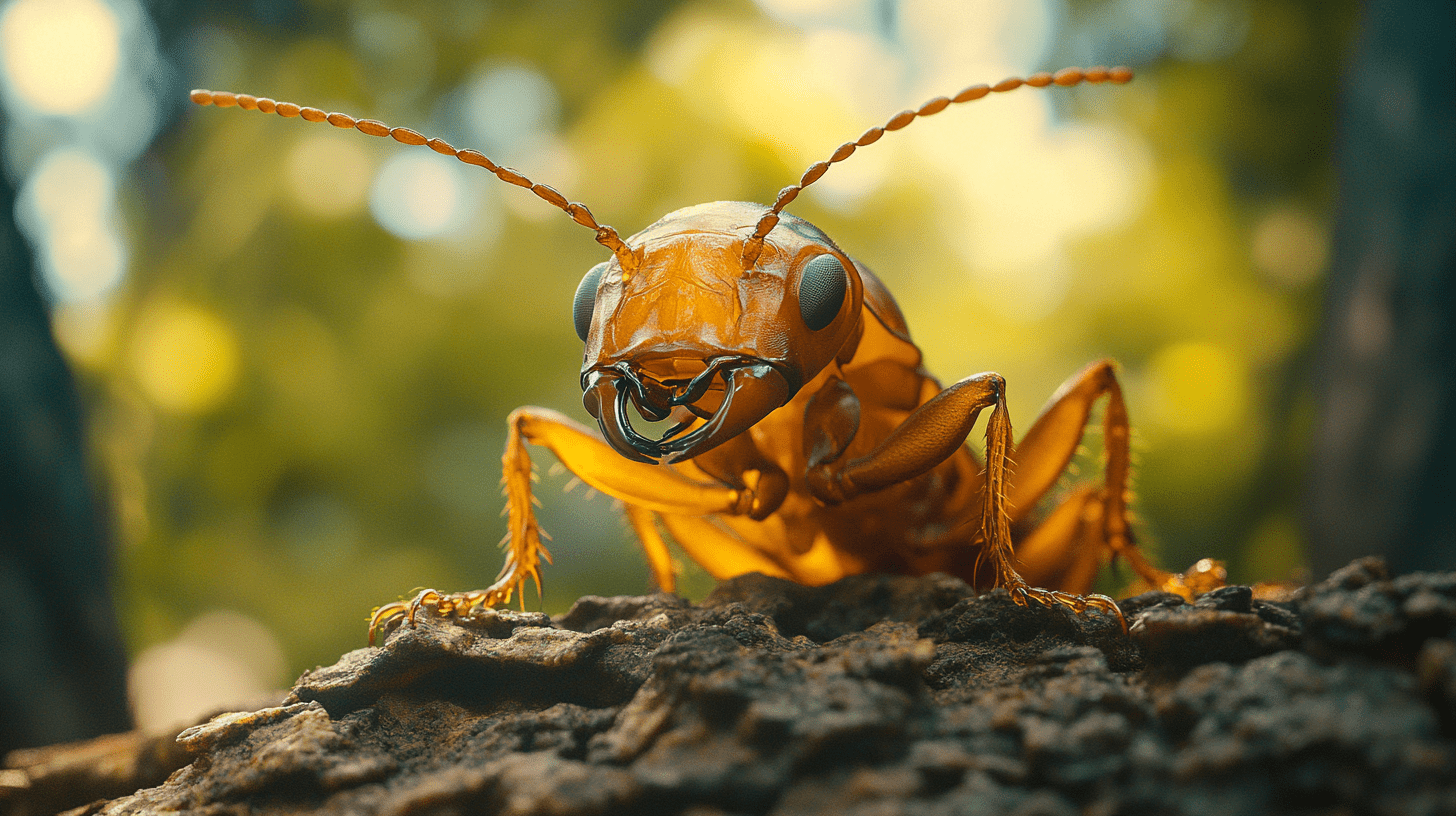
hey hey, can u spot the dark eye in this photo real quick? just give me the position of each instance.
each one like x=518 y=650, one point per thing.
x=821 y=291
x=586 y=300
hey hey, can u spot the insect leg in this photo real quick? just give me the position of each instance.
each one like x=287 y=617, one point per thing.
x=721 y=552
x=926 y=438
x=654 y=487
x=646 y=486
x=1050 y=444
x=1066 y=549
x=929 y=436
x=644 y=524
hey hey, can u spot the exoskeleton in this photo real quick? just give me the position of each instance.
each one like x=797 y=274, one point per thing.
x=801 y=436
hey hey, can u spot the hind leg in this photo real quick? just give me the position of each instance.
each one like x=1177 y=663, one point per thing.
x=1092 y=523
x=1065 y=551
x=929 y=436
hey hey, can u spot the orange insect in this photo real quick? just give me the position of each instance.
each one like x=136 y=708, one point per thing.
x=806 y=440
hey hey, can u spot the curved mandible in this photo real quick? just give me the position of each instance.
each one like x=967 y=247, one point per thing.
x=1065 y=77
x=606 y=236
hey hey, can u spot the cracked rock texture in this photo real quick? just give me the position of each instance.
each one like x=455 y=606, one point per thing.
x=875 y=695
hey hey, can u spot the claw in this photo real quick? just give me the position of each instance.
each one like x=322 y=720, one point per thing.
x=456 y=605
x=433 y=598
x=388 y=617
x=1023 y=593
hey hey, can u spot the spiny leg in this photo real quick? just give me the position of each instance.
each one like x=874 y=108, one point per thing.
x=650 y=487
x=522 y=543
x=1022 y=592
x=1052 y=441
x=930 y=435
x=1068 y=548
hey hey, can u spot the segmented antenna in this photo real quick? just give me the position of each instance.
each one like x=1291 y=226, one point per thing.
x=1065 y=77
x=606 y=236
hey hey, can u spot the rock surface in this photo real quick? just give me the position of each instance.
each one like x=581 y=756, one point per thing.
x=875 y=695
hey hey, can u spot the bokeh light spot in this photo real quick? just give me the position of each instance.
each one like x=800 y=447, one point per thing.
x=1290 y=246
x=418 y=195
x=68 y=213
x=85 y=331
x=508 y=107
x=328 y=174
x=795 y=9
x=958 y=41
x=1198 y=388
x=60 y=56
x=184 y=357
x=1029 y=189
x=69 y=180
x=221 y=659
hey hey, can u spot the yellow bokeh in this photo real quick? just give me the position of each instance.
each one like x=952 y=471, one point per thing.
x=329 y=174
x=71 y=191
x=184 y=357
x=1290 y=246
x=60 y=55
x=1198 y=388
x=733 y=70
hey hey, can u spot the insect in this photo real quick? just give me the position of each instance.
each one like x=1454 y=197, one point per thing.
x=803 y=437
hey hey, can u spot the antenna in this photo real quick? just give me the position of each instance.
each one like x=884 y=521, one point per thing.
x=606 y=236
x=1065 y=77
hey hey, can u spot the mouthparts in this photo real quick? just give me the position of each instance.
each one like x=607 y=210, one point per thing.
x=752 y=390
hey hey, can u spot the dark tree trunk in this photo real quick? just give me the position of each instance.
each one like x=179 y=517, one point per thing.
x=62 y=667
x=1383 y=476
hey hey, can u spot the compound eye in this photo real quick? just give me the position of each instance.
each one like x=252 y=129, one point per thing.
x=586 y=300
x=821 y=291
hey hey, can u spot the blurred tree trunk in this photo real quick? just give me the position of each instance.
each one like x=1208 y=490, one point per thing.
x=1383 y=476
x=62 y=667
x=62 y=663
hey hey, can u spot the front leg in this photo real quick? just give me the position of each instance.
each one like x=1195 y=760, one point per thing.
x=929 y=436
x=640 y=485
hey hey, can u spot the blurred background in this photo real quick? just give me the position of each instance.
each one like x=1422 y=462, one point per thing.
x=293 y=348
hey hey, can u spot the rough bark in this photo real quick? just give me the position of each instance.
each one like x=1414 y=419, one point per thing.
x=873 y=695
